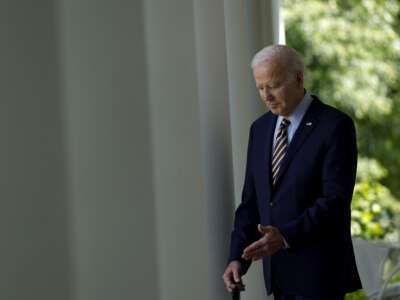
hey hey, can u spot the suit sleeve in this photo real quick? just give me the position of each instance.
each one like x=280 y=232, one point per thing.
x=246 y=216
x=331 y=212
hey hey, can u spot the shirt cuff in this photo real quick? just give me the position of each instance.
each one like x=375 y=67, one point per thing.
x=285 y=244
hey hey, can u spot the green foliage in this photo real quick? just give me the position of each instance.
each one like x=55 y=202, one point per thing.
x=351 y=49
x=374 y=209
x=357 y=295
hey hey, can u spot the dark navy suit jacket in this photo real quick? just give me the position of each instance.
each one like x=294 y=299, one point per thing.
x=309 y=204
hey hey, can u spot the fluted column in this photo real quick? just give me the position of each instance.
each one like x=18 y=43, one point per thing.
x=109 y=150
x=213 y=97
x=250 y=25
x=179 y=181
x=126 y=126
x=34 y=216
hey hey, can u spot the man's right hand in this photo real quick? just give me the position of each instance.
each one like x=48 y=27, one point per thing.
x=232 y=275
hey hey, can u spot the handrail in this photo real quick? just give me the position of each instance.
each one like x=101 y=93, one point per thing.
x=395 y=270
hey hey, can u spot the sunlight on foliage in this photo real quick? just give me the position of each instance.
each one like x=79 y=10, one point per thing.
x=374 y=209
x=351 y=50
x=357 y=71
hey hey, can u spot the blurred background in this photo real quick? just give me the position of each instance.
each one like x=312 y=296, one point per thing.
x=125 y=128
x=351 y=49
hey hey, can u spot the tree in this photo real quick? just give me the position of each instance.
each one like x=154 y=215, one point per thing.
x=351 y=50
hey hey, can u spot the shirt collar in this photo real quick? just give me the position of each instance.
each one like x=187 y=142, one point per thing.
x=299 y=111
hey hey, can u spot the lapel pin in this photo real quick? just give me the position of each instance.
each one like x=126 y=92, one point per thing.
x=308 y=123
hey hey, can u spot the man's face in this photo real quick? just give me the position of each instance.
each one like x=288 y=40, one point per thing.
x=279 y=91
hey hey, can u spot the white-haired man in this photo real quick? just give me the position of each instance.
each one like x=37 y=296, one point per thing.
x=299 y=181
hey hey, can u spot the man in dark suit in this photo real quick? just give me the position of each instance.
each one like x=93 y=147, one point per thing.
x=300 y=175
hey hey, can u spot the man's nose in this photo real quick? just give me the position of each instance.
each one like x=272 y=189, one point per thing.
x=265 y=94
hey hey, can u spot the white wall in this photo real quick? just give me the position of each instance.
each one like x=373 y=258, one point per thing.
x=126 y=127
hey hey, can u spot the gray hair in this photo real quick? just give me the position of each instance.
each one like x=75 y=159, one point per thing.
x=288 y=55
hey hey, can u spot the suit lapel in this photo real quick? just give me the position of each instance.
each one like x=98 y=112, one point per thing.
x=269 y=130
x=308 y=123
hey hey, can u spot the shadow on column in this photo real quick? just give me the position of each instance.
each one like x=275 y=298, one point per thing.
x=34 y=251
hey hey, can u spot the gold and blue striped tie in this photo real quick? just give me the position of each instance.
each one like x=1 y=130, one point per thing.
x=280 y=149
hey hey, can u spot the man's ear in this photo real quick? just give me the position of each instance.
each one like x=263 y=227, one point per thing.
x=300 y=78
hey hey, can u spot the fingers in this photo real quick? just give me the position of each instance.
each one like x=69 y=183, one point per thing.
x=271 y=246
x=264 y=229
x=240 y=286
x=230 y=285
x=228 y=281
x=231 y=277
x=270 y=243
x=236 y=276
x=255 y=246
x=256 y=249
x=256 y=255
x=267 y=245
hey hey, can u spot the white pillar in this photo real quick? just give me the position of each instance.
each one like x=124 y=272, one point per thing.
x=126 y=126
x=34 y=227
x=249 y=27
x=109 y=150
x=278 y=23
x=212 y=79
x=177 y=150
x=182 y=87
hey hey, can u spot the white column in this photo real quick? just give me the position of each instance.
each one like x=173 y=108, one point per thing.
x=104 y=75
x=182 y=252
x=212 y=78
x=126 y=126
x=249 y=27
x=34 y=220
x=278 y=23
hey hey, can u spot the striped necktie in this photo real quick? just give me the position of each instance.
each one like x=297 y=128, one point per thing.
x=280 y=149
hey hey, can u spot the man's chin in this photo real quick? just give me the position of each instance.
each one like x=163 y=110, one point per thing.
x=275 y=111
